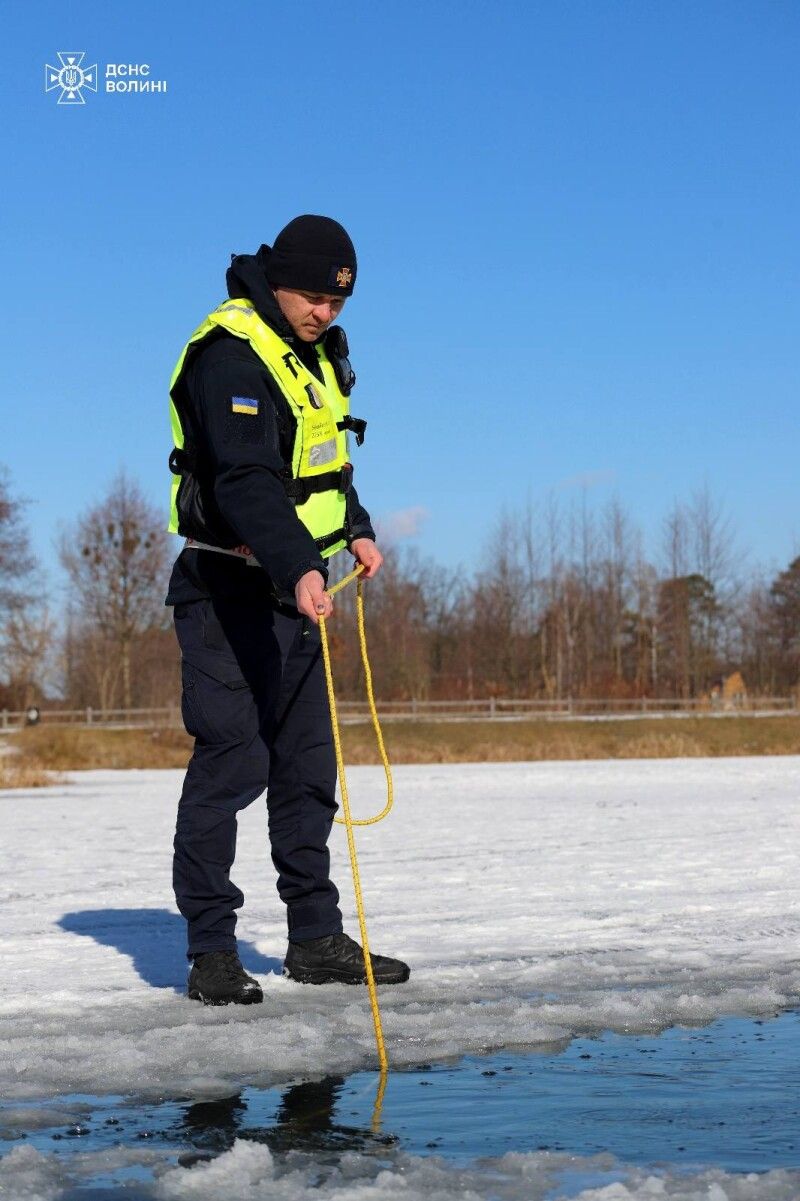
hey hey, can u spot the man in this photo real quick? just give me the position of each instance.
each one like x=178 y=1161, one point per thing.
x=262 y=489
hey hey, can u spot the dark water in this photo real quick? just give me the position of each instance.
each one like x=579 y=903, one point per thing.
x=726 y=1095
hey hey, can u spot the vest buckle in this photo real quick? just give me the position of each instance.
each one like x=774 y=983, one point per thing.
x=346 y=481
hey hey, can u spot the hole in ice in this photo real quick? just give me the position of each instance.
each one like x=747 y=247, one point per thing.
x=721 y=1096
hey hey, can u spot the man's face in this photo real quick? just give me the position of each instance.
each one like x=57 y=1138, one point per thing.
x=309 y=313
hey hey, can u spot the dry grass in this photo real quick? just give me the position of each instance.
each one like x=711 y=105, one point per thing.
x=14 y=774
x=48 y=749
x=486 y=742
x=67 y=748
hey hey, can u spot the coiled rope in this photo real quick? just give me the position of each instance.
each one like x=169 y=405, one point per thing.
x=348 y=821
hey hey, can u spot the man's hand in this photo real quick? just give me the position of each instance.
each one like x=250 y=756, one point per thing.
x=365 y=551
x=311 y=598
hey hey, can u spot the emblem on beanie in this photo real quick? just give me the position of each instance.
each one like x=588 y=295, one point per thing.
x=343 y=276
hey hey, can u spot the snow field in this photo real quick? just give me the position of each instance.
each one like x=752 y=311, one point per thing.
x=533 y=902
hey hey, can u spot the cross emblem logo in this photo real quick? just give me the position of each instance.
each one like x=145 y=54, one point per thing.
x=70 y=77
x=343 y=276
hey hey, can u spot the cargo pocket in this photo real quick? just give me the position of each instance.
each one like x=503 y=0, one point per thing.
x=204 y=645
x=216 y=703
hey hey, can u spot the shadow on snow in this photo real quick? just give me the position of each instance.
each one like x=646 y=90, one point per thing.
x=155 y=941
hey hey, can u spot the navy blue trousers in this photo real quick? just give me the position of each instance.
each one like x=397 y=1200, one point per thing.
x=254 y=700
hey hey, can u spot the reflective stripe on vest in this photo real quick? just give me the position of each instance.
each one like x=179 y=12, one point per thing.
x=317 y=406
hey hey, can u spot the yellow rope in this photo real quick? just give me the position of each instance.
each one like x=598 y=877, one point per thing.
x=348 y=820
x=378 y=1105
x=376 y=725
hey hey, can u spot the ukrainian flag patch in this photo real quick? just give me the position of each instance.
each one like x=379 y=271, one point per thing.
x=244 y=404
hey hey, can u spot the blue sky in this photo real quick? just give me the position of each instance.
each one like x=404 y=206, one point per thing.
x=576 y=225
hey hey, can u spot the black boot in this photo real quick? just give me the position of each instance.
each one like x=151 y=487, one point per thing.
x=337 y=959
x=217 y=978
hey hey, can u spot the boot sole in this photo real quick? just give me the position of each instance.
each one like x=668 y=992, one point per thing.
x=248 y=998
x=330 y=976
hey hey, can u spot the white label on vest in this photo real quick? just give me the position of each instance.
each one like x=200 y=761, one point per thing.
x=325 y=452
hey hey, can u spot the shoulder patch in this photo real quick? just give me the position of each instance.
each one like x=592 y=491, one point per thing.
x=244 y=404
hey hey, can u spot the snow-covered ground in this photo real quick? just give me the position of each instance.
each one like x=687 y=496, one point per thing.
x=533 y=901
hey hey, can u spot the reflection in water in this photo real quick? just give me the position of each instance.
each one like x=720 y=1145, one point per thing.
x=377 y=1108
x=724 y=1095
x=304 y=1121
x=211 y=1125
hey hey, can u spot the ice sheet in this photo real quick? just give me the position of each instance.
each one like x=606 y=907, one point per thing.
x=248 y=1172
x=533 y=901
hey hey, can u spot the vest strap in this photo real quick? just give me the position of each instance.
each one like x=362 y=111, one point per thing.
x=238 y=552
x=299 y=489
x=357 y=424
x=182 y=460
x=250 y=559
x=329 y=539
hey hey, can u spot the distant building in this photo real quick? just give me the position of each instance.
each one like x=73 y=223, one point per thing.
x=734 y=691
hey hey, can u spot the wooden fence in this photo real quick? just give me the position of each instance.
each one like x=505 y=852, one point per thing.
x=487 y=709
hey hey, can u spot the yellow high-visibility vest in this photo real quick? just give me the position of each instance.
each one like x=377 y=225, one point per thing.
x=320 y=469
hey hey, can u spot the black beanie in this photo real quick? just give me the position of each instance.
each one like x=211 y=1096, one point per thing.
x=313 y=254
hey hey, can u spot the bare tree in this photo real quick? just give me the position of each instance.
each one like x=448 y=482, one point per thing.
x=16 y=558
x=676 y=541
x=90 y=665
x=756 y=642
x=27 y=639
x=534 y=600
x=498 y=646
x=115 y=556
x=718 y=560
x=673 y=607
x=563 y=603
x=22 y=641
x=591 y=632
x=646 y=677
x=784 y=602
x=550 y=644
x=619 y=557
x=712 y=539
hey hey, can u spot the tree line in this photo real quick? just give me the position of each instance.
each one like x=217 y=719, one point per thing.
x=562 y=602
